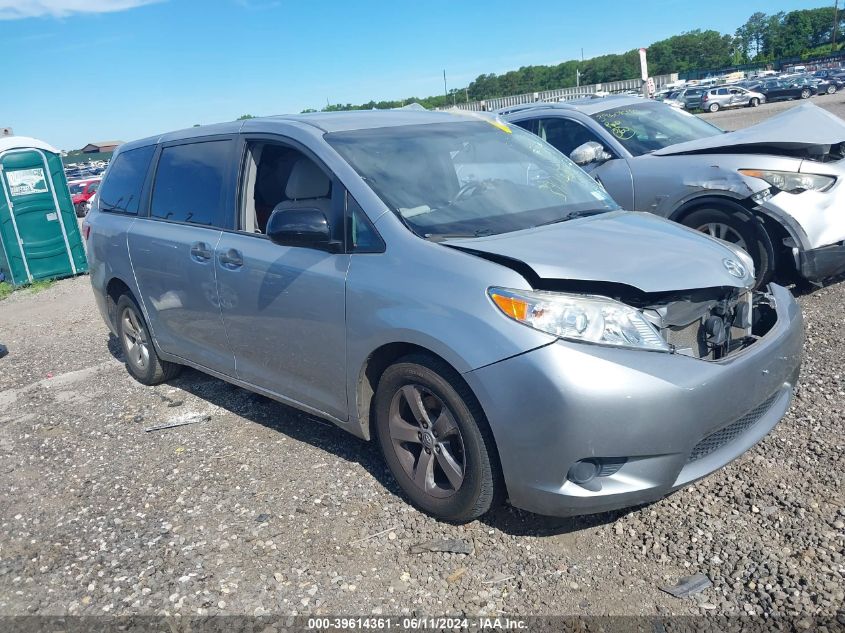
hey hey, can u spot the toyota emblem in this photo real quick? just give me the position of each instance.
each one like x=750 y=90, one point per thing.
x=734 y=268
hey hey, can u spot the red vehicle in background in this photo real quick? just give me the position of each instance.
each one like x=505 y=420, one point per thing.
x=81 y=192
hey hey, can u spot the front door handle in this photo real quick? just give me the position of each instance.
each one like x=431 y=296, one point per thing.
x=200 y=252
x=231 y=259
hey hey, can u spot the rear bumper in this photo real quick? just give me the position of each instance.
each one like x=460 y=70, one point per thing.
x=674 y=419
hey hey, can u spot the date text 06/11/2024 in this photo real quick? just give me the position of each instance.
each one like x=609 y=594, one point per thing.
x=415 y=623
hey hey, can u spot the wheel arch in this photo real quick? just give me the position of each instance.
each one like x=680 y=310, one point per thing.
x=114 y=289
x=374 y=367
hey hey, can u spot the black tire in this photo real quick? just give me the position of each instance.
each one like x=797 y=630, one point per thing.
x=714 y=107
x=79 y=207
x=481 y=486
x=750 y=229
x=153 y=370
x=754 y=102
x=831 y=89
x=805 y=94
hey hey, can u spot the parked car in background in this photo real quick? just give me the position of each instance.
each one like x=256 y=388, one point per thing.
x=828 y=85
x=778 y=90
x=414 y=276
x=691 y=98
x=81 y=191
x=776 y=189
x=715 y=99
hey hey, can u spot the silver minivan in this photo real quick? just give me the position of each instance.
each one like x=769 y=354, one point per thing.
x=453 y=288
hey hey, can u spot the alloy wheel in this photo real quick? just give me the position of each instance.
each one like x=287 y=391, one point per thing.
x=427 y=441
x=135 y=339
x=723 y=232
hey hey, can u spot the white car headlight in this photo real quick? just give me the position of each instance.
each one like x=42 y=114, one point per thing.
x=584 y=318
x=791 y=181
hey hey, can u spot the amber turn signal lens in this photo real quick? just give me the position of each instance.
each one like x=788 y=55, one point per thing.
x=514 y=308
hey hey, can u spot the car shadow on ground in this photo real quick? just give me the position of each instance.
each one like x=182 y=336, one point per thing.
x=326 y=436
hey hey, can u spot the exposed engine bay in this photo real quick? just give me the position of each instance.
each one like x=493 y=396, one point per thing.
x=714 y=327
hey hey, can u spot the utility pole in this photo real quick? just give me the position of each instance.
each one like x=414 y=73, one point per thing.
x=466 y=93
x=835 y=24
x=445 y=92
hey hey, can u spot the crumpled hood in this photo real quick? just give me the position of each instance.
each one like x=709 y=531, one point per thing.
x=640 y=250
x=804 y=127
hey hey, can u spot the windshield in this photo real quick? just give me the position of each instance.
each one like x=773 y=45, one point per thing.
x=469 y=178
x=647 y=127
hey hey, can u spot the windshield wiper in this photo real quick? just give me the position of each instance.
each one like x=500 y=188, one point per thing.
x=574 y=214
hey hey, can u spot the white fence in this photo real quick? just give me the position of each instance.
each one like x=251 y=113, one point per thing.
x=564 y=94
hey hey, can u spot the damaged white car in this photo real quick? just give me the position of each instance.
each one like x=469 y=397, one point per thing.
x=775 y=188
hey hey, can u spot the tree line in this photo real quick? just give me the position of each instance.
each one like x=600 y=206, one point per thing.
x=762 y=39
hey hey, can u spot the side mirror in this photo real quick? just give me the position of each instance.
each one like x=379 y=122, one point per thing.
x=589 y=152
x=306 y=227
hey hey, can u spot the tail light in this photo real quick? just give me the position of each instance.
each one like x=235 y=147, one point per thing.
x=705 y=97
x=86 y=230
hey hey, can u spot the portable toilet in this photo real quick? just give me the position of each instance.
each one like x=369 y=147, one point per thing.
x=39 y=232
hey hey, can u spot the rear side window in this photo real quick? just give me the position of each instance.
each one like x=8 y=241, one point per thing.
x=121 y=190
x=190 y=182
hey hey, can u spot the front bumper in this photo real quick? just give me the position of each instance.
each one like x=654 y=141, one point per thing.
x=816 y=226
x=823 y=263
x=565 y=402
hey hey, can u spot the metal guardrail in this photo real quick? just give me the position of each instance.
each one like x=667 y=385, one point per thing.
x=562 y=94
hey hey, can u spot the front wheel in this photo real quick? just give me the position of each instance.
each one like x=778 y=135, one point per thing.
x=435 y=439
x=805 y=94
x=740 y=229
x=831 y=89
x=714 y=107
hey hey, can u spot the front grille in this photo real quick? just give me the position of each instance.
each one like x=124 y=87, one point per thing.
x=729 y=433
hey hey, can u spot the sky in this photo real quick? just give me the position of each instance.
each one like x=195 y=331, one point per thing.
x=80 y=71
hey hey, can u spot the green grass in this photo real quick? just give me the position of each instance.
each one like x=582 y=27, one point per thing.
x=7 y=289
x=41 y=284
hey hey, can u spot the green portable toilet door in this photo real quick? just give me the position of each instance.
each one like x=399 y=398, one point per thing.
x=36 y=220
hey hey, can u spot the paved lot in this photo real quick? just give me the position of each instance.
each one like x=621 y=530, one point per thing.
x=258 y=508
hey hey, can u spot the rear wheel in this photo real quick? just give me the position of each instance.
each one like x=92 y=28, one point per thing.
x=714 y=107
x=435 y=439
x=805 y=94
x=754 y=102
x=831 y=89
x=142 y=360
x=741 y=229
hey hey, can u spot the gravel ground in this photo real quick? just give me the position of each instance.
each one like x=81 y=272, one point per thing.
x=257 y=508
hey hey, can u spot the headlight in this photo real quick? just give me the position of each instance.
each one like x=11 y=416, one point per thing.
x=588 y=319
x=791 y=181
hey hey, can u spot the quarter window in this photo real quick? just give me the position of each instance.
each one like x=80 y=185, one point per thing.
x=121 y=190
x=363 y=237
x=190 y=183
